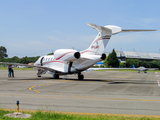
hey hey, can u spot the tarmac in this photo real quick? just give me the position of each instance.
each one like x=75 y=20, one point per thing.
x=106 y=92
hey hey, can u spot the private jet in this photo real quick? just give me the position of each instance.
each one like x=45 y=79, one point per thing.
x=70 y=61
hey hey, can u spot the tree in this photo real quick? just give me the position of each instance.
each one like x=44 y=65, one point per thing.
x=146 y=64
x=154 y=64
x=122 y=65
x=131 y=62
x=24 y=60
x=15 y=59
x=112 y=59
x=50 y=53
x=3 y=52
x=106 y=62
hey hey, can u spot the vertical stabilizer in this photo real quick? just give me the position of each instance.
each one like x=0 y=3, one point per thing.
x=99 y=44
x=133 y=66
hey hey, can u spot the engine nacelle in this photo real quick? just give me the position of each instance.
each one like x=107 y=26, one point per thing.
x=103 y=57
x=66 y=54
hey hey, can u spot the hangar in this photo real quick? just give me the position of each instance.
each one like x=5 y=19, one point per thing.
x=123 y=55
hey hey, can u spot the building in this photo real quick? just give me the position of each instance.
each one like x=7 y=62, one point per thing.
x=123 y=55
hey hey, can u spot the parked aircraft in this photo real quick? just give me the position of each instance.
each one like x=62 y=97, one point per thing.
x=69 y=61
x=139 y=69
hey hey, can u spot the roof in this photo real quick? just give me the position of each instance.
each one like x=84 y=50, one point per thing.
x=138 y=55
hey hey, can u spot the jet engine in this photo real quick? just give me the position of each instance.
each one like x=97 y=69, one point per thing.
x=66 y=55
x=103 y=57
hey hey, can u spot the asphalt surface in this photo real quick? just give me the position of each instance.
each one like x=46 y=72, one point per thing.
x=110 y=92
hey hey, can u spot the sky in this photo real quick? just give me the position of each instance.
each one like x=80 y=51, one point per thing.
x=38 y=27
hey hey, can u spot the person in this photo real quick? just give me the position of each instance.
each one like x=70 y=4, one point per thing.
x=9 y=70
x=12 y=71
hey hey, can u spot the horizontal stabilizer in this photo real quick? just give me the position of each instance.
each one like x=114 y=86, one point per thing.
x=115 y=29
x=128 y=30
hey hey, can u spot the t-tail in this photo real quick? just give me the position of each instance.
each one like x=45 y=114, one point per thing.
x=99 y=44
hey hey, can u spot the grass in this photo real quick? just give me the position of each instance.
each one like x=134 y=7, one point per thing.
x=39 y=115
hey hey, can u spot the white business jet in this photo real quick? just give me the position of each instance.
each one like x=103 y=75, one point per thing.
x=69 y=61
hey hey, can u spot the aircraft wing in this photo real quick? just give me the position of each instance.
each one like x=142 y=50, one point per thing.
x=33 y=66
x=145 y=69
x=91 y=69
x=152 y=68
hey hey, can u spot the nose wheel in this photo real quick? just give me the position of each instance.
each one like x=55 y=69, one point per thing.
x=80 y=76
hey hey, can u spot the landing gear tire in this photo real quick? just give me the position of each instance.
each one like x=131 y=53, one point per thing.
x=80 y=77
x=56 y=76
x=39 y=76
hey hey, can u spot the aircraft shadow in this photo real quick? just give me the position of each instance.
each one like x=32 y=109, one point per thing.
x=113 y=81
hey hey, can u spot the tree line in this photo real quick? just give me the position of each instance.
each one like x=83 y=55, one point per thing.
x=23 y=60
x=112 y=61
x=144 y=63
x=15 y=59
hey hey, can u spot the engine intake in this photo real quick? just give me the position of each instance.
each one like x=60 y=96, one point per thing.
x=103 y=57
x=77 y=55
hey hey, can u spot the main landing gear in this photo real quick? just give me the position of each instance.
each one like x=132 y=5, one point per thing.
x=55 y=76
x=40 y=72
x=80 y=76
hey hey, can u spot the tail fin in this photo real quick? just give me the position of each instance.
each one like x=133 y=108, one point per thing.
x=101 y=40
x=133 y=66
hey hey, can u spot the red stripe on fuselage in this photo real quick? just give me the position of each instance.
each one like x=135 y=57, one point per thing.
x=64 y=55
x=52 y=62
